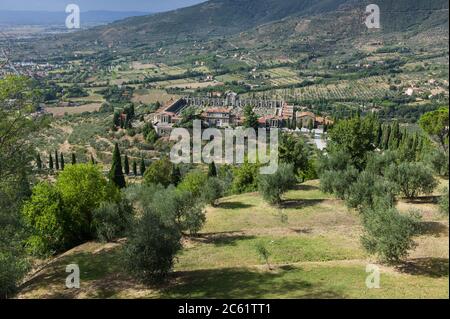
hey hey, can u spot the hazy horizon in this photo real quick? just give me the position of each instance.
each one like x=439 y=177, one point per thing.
x=96 y=5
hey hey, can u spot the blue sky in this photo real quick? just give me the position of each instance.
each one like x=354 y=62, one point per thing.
x=87 y=5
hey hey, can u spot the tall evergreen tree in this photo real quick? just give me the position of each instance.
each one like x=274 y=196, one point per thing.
x=56 y=160
x=38 y=162
x=379 y=135
x=74 y=159
x=116 y=172
x=212 y=171
x=92 y=160
x=394 y=138
x=251 y=119
x=135 y=173
x=126 y=165
x=386 y=136
x=176 y=175
x=142 y=167
x=62 y=161
x=50 y=162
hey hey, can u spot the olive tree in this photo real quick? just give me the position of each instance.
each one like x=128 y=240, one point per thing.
x=412 y=178
x=272 y=186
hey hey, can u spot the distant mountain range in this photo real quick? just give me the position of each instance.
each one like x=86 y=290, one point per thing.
x=228 y=17
x=46 y=18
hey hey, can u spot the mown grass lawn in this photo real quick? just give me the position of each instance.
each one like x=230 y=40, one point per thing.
x=314 y=246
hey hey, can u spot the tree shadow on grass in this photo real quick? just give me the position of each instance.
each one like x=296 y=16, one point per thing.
x=233 y=205
x=222 y=239
x=301 y=231
x=303 y=187
x=52 y=278
x=433 y=229
x=423 y=200
x=301 y=203
x=244 y=283
x=430 y=267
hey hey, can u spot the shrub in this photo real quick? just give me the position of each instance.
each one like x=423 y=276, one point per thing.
x=388 y=234
x=193 y=182
x=245 y=178
x=367 y=190
x=151 y=247
x=443 y=202
x=112 y=220
x=212 y=191
x=173 y=206
x=159 y=172
x=12 y=270
x=412 y=179
x=183 y=208
x=263 y=253
x=272 y=186
x=439 y=162
x=49 y=222
x=338 y=182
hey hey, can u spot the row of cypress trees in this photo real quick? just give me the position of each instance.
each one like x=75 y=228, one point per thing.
x=118 y=172
x=56 y=162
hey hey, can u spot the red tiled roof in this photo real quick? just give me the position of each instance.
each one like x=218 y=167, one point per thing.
x=302 y=114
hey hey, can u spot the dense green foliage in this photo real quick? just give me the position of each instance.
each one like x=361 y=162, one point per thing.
x=436 y=124
x=193 y=182
x=412 y=179
x=388 y=234
x=17 y=101
x=151 y=247
x=160 y=172
x=60 y=215
x=272 y=186
x=112 y=220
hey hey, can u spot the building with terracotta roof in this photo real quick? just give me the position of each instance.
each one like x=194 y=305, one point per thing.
x=219 y=116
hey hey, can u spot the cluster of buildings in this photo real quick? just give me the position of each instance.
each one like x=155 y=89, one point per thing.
x=228 y=111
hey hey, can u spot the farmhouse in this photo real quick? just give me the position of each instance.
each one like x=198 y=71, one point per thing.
x=305 y=118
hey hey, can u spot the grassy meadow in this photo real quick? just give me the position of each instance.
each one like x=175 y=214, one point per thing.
x=315 y=252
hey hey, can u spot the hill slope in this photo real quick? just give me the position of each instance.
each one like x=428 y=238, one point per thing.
x=225 y=17
x=315 y=253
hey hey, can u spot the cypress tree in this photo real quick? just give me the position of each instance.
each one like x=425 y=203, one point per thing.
x=379 y=135
x=134 y=168
x=92 y=160
x=74 y=159
x=386 y=136
x=50 y=162
x=116 y=119
x=62 y=161
x=394 y=138
x=126 y=166
x=176 y=175
x=56 y=160
x=38 y=162
x=142 y=167
x=116 y=172
x=212 y=171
